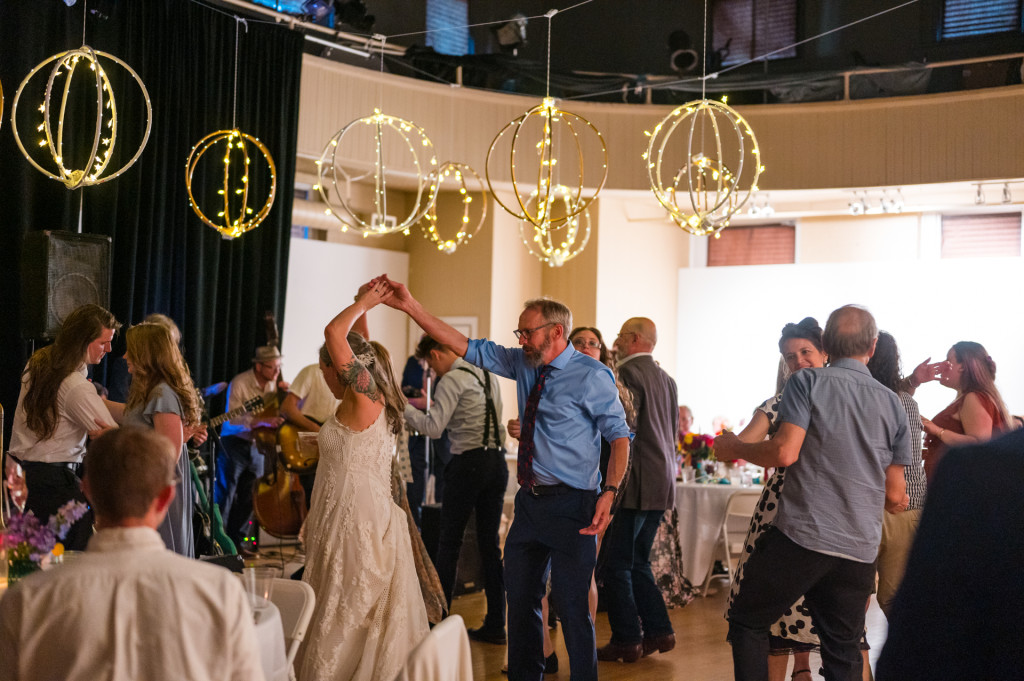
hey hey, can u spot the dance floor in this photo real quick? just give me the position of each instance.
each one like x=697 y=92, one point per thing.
x=701 y=652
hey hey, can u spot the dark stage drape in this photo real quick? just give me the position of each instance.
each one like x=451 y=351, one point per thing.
x=164 y=258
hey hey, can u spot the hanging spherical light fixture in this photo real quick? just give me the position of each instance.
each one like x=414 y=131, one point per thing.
x=471 y=193
x=383 y=134
x=564 y=236
x=704 y=178
x=547 y=148
x=236 y=215
x=55 y=124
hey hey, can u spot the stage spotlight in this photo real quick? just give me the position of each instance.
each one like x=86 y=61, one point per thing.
x=317 y=9
x=512 y=34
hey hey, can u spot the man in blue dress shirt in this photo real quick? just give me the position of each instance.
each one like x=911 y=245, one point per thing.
x=561 y=505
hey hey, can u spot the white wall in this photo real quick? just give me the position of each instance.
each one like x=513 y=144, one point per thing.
x=322 y=279
x=728 y=352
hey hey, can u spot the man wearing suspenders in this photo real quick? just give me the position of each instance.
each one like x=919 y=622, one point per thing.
x=467 y=402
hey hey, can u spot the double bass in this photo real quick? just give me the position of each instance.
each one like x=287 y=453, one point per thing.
x=278 y=499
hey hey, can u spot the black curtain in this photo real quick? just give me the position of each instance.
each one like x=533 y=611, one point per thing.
x=164 y=258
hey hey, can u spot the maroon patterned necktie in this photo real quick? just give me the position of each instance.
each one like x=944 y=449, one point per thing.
x=526 y=448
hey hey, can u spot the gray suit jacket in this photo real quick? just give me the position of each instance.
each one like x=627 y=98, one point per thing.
x=652 y=478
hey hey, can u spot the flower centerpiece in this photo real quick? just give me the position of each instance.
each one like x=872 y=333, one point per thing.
x=698 y=450
x=29 y=542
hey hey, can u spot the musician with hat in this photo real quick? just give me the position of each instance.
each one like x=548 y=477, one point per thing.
x=239 y=464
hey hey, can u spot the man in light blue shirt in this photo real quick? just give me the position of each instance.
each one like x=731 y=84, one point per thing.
x=561 y=505
x=844 y=440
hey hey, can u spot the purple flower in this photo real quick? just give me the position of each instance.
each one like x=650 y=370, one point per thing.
x=66 y=516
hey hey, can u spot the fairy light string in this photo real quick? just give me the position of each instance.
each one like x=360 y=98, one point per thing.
x=238 y=212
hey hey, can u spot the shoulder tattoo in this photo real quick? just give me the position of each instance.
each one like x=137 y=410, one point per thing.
x=359 y=378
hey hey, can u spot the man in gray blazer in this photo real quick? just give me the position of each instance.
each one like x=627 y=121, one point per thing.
x=636 y=610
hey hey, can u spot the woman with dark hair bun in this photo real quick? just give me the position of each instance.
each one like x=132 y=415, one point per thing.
x=978 y=412
x=801 y=348
x=898 y=529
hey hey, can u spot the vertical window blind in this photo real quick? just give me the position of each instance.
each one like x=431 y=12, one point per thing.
x=979 y=236
x=756 y=27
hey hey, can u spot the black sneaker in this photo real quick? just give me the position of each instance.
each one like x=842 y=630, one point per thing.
x=485 y=635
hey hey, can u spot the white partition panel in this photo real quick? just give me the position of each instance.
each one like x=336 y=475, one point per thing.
x=730 y=319
x=322 y=279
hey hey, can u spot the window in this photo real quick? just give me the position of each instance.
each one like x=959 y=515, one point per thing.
x=965 y=18
x=447 y=28
x=753 y=245
x=980 y=236
x=744 y=29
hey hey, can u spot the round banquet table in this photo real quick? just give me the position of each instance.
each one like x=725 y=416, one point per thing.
x=701 y=508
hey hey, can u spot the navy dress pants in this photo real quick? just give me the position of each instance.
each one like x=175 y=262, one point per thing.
x=546 y=531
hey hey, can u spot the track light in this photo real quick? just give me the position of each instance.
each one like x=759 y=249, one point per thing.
x=858 y=206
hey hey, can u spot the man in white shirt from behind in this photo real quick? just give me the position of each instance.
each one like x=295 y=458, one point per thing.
x=128 y=608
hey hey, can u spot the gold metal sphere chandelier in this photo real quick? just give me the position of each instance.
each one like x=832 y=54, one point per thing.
x=564 y=236
x=471 y=191
x=342 y=151
x=235 y=215
x=705 y=178
x=56 y=125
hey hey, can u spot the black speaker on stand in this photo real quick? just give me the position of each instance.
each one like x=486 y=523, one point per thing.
x=61 y=271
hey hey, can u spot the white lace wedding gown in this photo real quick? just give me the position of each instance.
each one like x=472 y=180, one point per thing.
x=369 y=609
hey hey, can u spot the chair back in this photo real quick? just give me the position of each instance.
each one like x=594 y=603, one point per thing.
x=442 y=656
x=733 y=532
x=295 y=600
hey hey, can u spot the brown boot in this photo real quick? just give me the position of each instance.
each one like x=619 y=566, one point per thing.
x=661 y=644
x=628 y=652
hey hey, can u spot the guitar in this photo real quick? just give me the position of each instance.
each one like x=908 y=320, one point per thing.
x=258 y=403
x=292 y=456
x=210 y=523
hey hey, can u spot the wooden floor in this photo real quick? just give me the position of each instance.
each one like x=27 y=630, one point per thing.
x=701 y=652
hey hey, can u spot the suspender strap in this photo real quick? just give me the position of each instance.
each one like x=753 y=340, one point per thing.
x=492 y=413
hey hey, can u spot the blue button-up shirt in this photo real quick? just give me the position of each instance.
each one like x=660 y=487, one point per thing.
x=579 y=405
x=834 y=494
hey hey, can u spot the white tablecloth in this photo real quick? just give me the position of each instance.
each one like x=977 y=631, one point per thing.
x=701 y=510
x=270 y=637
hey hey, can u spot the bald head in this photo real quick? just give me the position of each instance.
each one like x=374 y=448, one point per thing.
x=850 y=332
x=638 y=334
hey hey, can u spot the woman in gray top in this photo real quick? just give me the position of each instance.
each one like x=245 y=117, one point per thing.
x=163 y=397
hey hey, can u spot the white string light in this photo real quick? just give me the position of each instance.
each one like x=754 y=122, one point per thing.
x=471 y=191
x=53 y=124
x=564 y=236
x=235 y=216
x=342 y=149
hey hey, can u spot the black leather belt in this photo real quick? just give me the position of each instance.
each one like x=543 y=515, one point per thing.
x=551 y=490
x=481 y=450
x=74 y=466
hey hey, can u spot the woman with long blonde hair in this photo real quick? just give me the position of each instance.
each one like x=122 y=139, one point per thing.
x=163 y=397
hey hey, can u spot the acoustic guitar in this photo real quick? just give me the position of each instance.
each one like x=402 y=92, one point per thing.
x=292 y=456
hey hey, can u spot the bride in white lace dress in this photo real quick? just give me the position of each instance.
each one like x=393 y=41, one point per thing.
x=369 y=610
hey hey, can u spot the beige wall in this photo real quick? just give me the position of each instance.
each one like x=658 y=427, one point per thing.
x=901 y=141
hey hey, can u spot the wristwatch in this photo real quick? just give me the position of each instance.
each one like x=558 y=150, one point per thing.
x=610 y=488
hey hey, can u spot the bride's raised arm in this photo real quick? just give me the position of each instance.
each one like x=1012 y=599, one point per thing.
x=352 y=372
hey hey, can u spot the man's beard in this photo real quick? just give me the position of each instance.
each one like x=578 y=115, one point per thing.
x=535 y=356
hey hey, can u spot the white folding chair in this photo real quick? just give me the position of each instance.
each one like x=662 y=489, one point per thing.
x=295 y=601
x=730 y=542
x=442 y=656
